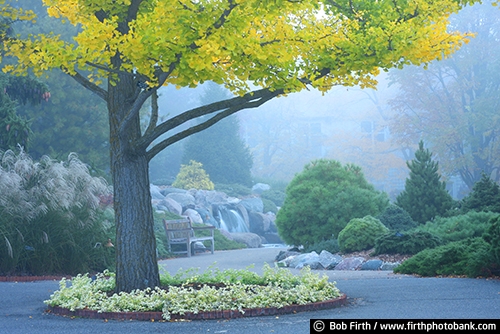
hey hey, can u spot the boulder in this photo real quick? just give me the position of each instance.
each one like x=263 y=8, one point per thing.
x=253 y=204
x=308 y=259
x=329 y=260
x=259 y=188
x=155 y=192
x=259 y=223
x=184 y=199
x=374 y=264
x=272 y=238
x=171 y=205
x=389 y=265
x=194 y=216
x=252 y=240
x=350 y=263
x=285 y=254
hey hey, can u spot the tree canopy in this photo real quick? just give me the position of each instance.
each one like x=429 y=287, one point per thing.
x=126 y=49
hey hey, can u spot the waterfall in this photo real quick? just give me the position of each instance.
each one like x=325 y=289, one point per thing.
x=230 y=220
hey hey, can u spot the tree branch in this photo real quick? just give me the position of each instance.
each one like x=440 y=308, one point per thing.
x=229 y=107
x=102 y=93
x=154 y=113
x=186 y=116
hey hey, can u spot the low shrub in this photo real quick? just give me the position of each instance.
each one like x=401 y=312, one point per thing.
x=470 y=225
x=492 y=236
x=360 y=234
x=396 y=218
x=269 y=206
x=470 y=257
x=331 y=245
x=405 y=243
x=276 y=196
x=233 y=189
x=193 y=176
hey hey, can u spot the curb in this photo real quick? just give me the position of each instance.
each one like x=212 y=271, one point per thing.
x=207 y=315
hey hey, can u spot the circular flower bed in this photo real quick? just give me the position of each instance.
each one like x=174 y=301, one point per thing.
x=214 y=294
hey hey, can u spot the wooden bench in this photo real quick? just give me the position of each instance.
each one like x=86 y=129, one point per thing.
x=181 y=232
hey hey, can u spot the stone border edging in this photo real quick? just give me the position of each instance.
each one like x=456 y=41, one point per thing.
x=31 y=278
x=207 y=315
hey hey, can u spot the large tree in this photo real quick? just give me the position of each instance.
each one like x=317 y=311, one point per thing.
x=454 y=104
x=259 y=50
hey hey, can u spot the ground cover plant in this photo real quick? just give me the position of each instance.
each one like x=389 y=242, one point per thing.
x=188 y=291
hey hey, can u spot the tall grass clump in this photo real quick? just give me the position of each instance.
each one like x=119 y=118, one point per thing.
x=51 y=217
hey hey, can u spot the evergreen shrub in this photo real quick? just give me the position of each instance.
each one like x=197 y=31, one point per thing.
x=470 y=257
x=322 y=199
x=277 y=196
x=396 y=218
x=233 y=189
x=360 y=234
x=405 y=243
x=492 y=236
x=470 y=225
x=485 y=196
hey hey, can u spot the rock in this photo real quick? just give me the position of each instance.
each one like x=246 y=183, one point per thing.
x=374 y=264
x=253 y=204
x=194 y=216
x=171 y=205
x=207 y=217
x=168 y=190
x=308 y=259
x=155 y=192
x=329 y=260
x=259 y=188
x=259 y=223
x=350 y=263
x=389 y=265
x=285 y=254
x=252 y=240
x=184 y=199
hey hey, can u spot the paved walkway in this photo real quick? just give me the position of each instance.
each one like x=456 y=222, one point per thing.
x=371 y=295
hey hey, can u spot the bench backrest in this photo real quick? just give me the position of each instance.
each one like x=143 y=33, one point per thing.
x=172 y=228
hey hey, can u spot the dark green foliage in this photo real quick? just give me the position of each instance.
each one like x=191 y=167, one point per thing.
x=220 y=149
x=360 y=234
x=473 y=224
x=331 y=245
x=233 y=190
x=470 y=257
x=15 y=129
x=277 y=196
x=424 y=196
x=269 y=206
x=322 y=199
x=492 y=236
x=485 y=196
x=405 y=243
x=396 y=218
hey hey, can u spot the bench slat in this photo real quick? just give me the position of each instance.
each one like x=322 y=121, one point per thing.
x=180 y=231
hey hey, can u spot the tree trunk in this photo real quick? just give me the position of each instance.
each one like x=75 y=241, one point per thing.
x=136 y=263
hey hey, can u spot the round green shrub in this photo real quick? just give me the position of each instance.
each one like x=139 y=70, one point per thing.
x=396 y=218
x=470 y=257
x=405 y=243
x=322 y=199
x=360 y=234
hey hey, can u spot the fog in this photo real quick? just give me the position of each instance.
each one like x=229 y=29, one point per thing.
x=360 y=126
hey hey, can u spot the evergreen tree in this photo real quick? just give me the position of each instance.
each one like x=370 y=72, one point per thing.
x=485 y=196
x=424 y=196
x=220 y=149
x=15 y=129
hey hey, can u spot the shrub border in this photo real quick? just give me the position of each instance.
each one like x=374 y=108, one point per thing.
x=207 y=315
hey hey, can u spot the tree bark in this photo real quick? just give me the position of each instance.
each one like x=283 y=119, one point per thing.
x=136 y=262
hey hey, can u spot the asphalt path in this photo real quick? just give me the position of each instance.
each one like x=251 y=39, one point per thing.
x=371 y=295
